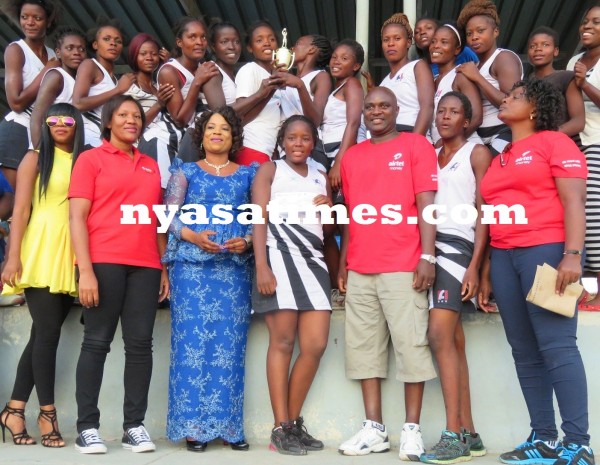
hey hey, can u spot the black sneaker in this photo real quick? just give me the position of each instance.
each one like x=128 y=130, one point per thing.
x=306 y=439
x=90 y=442
x=574 y=454
x=531 y=452
x=285 y=441
x=475 y=443
x=137 y=440
x=452 y=448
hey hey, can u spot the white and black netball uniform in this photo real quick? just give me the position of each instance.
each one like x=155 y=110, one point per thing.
x=454 y=241
x=295 y=248
x=590 y=146
x=66 y=94
x=15 y=138
x=495 y=134
x=162 y=137
x=404 y=86
x=91 y=118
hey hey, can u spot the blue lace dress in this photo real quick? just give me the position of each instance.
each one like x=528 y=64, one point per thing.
x=210 y=310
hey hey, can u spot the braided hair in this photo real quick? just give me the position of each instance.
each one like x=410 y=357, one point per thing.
x=402 y=20
x=485 y=8
x=325 y=50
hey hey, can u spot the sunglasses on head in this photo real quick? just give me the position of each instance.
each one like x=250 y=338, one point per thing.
x=67 y=121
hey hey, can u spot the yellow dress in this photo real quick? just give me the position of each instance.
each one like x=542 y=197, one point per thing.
x=47 y=254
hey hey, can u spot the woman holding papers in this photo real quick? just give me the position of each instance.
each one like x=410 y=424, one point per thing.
x=542 y=174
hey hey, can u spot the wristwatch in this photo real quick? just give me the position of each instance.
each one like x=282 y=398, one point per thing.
x=429 y=258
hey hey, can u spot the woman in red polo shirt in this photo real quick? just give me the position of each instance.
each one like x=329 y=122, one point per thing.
x=543 y=171
x=116 y=280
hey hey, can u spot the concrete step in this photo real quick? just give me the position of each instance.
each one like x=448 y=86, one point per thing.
x=333 y=410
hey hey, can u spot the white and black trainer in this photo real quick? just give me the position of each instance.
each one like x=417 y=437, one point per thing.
x=90 y=442
x=138 y=440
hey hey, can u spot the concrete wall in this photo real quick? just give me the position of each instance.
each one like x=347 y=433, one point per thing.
x=333 y=410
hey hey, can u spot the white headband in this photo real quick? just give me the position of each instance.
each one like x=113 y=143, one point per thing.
x=456 y=32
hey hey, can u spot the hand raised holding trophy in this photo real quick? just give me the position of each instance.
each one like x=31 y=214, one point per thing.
x=283 y=56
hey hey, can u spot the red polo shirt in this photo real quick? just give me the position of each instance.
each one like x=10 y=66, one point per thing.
x=391 y=172
x=528 y=179
x=109 y=178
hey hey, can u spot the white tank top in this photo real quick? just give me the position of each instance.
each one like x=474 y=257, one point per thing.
x=490 y=112
x=91 y=118
x=334 y=118
x=444 y=86
x=290 y=98
x=404 y=86
x=291 y=191
x=31 y=68
x=145 y=99
x=201 y=104
x=66 y=95
x=456 y=187
x=591 y=132
x=229 y=87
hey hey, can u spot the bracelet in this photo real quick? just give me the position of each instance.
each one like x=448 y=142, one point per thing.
x=248 y=239
x=572 y=252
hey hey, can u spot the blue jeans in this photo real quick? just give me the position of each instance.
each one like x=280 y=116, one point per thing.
x=544 y=344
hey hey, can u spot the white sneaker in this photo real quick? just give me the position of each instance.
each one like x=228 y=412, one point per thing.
x=138 y=440
x=90 y=442
x=371 y=438
x=411 y=443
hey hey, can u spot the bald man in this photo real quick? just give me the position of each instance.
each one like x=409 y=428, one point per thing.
x=387 y=265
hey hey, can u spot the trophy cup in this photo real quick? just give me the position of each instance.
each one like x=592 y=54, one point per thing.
x=283 y=55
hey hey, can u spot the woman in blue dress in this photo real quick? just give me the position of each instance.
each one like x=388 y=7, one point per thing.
x=210 y=269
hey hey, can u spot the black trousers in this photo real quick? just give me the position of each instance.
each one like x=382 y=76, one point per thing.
x=37 y=365
x=128 y=293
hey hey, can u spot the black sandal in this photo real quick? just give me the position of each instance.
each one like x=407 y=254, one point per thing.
x=52 y=439
x=19 y=439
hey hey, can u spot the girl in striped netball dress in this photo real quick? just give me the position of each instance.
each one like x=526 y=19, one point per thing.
x=497 y=71
x=197 y=86
x=587 y=78
x=446 y=45
x=411 y=81
x=96 y=83
x=26 y=62
x=459 y=250
x=58 y=83
x=226 y=47
x=292 y=283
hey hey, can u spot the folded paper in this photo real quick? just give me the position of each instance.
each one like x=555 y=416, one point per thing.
x=543 y=292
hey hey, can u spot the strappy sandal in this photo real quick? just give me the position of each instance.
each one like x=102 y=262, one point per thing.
x=19 y=439
x=52 y=439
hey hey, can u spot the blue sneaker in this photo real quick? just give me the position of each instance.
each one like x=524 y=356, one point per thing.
x=532 y=452
x=574 y=454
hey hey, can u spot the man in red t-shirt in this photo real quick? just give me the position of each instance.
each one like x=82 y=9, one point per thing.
x=386 y=268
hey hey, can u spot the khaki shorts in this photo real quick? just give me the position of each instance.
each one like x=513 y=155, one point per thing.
x=379 y=306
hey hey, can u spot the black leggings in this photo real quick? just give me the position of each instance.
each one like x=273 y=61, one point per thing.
x=128 y=293
x=37 y=365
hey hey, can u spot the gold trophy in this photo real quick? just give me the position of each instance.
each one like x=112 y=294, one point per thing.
x=283 y=55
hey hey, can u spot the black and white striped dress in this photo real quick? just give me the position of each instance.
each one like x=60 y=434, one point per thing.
x=295 y=249
x=590 y=142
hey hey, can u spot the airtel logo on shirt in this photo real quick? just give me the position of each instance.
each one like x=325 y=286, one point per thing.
x=524 y=159
x=396 y=163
